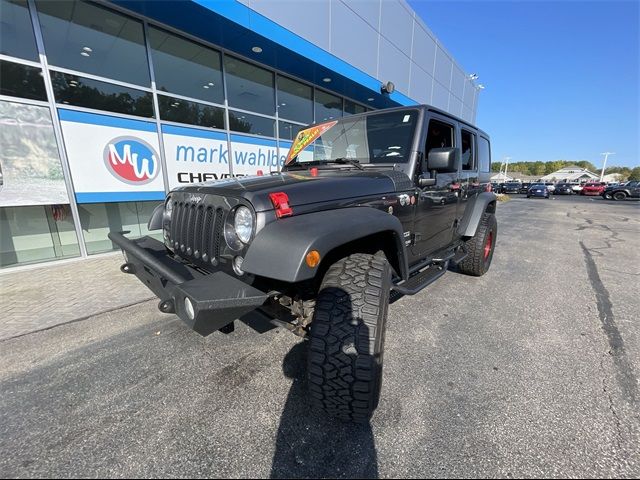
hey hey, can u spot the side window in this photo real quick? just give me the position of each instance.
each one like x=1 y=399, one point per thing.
x=440 y=135
x=468 y=150
x=484 y=154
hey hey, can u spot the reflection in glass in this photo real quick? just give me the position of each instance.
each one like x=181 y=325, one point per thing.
x=98 y=219
x=352 y=108
x=16 y=31
x=328 y=106
x=183 y=111
x=89 y=38
x=36 y=233
x=185 y=67
x=17 y=80
x=288 y=131
x=30 y=167
x=249 y=87
x=88 y=93
x=245 y=123
x=294 y=100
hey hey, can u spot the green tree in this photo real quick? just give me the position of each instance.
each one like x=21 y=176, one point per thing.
x=635 y=174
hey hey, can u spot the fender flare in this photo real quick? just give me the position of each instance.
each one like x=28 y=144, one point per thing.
x=279 y=249
x=486 y=201
x=155 y=222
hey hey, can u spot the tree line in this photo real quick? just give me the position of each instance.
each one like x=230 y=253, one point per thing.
x=545 y=168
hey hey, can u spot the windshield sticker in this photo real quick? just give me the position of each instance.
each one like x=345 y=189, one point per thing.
x=305 y=137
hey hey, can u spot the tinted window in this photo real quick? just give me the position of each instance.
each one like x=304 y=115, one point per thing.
x=484 y=154
x=327 y=106
x=85 y=92
x=16 y=31
x=467 y=148
x=89 y=38
x=249 y=87
x=185 y=67
x=294 y=100
x=245 y=123
x=182 y=111
x=18 y=80
x=288 y=130
x=440 y=135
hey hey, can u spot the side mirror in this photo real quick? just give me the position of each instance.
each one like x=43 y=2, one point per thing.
x=426 y=181
x=444 y=159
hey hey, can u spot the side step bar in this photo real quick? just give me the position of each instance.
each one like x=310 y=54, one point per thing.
x=421 y=280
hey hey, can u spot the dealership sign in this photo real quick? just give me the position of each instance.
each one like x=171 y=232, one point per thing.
x=195 y=155
x=131 y=160
x=112 y=159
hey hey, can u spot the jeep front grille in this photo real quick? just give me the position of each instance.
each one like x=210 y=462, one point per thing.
x=196 y=230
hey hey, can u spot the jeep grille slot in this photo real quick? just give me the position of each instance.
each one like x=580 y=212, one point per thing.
x=197 y=228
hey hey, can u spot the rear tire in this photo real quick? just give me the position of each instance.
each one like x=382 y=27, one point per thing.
x=347 y=337
x=619 y=196
x=480 y=248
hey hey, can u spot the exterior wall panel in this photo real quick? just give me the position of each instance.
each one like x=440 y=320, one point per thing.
x=353 y=39
x=393 y=65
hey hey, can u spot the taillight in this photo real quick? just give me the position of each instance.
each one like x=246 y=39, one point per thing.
x=280 y=202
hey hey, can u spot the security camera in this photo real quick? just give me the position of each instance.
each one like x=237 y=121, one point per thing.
x=387 y=88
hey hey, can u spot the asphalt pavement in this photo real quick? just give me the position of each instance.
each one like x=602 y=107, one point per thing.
x=530 y=370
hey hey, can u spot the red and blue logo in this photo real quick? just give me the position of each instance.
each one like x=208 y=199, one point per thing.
x=131 y=160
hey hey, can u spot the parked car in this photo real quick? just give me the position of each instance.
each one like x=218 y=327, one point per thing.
x=320 y=247
x=576 y=187
x=622 y=192
x=510 y=187
x=524 y=188
x=593 y=188
x=538 y=190
x=563 y=189
x=551 y=187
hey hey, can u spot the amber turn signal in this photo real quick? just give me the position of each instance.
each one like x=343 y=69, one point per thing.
x=313 y=258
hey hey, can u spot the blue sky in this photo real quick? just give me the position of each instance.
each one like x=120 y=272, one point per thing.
x=562 y=77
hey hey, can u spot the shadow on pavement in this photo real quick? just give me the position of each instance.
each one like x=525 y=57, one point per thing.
x=311 y=444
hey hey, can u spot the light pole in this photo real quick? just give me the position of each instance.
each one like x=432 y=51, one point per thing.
x=604 y=165
x=506 y=165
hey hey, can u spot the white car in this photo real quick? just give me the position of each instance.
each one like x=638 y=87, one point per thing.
x=551 y=187
x=577 y=188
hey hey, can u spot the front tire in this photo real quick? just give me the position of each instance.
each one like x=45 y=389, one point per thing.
x=480 y=248
x=347 y=337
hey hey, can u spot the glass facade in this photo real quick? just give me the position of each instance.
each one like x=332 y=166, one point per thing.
x=134 y=75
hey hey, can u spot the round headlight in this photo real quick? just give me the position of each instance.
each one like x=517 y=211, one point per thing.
x=243 y=224
x=168 y=207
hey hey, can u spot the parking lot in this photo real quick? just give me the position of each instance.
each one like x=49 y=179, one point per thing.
x=530 y=370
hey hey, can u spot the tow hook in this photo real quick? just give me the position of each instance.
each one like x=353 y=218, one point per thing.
x=167 y=306
x=127 y=268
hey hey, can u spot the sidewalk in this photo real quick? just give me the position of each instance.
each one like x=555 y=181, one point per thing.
x=53 y=294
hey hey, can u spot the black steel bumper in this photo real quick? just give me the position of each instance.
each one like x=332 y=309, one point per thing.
x=217 y=298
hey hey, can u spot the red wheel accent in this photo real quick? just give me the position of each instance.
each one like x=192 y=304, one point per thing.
x=488 y=244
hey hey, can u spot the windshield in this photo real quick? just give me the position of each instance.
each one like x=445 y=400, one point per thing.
x=377 y=138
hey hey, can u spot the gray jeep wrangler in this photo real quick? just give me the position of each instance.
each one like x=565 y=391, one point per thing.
x=366 y=209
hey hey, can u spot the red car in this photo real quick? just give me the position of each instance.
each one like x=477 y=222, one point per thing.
x=594 y=188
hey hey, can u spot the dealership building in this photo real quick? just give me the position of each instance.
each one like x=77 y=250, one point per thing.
x=107 y=105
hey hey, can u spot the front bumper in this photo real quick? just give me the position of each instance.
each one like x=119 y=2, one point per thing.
x=217 y=298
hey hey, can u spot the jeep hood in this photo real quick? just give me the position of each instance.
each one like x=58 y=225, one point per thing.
x=303 y=188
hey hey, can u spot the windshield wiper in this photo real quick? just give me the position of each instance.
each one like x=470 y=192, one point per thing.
x=344 y=161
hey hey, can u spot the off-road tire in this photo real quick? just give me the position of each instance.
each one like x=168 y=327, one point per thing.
x=347 y=337
x=478 y=261
x=619 y=196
